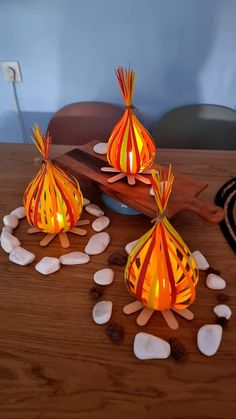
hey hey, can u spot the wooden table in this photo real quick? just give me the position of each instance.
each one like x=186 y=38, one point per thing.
x=55 y=363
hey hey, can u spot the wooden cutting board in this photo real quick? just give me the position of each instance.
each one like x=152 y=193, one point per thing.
x=84 y=163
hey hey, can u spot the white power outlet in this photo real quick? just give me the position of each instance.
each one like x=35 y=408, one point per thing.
x=11 y=71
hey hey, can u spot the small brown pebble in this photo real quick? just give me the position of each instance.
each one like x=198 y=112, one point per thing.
x=223 y=297
x=119 y=259
x=178 y=350
x=222 y=321
x=211 y=270
x=95 y=293
x=115 y=332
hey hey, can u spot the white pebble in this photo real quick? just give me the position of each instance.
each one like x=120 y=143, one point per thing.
x=8 y=241
x=100 y=148
x=74 y=258
x=222 y=310
x=10 y=221
x=100 y=223
x=94 y=210
x=151 y=191
x=19 y=212
x=215 y=282
x=48 y=265
x=130 y=246
x=85 y=202
x=162 y=187
x=97 y=243
x=201 y=261
x=209 y=338
x=21 y=256
x=147 y=346
x=8 y=229
x=104 y=276
x=102 y=312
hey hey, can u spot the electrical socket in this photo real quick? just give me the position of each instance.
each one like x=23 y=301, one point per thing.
x=11 y=71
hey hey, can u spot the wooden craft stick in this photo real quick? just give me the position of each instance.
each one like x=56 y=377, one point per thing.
x=82 y=223
x=78 y=231
x=109 y=169
x=132 y=307
x=131 y=179
x=116 y=177
x=143 y=179
x=144 y=316
x=47 y=239
x=64 y=240
x=33 y=230
x=170 y=319
x=186 y=314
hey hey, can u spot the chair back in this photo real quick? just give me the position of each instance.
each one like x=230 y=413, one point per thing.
x=79 y=123
x=197 y=126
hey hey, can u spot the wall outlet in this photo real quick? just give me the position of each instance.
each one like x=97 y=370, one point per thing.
x=11 y=71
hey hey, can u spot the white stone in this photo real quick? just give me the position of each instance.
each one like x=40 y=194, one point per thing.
x=48 y=265
x=222 y=310
x=104 y=276
x=201 y=261
x=209 y=338
x=8 y=229
x=102 y=312
x=101 y=223
x=97 y=243
x=152 y=190
x=100 y=148
x=10 y=221
x=94 y=210
x=215 y=282
x=21 y=256
x=130 y=246
x=19 y=213
x=85 y=201
x=74 y=258
x=147 y=346
x=8 y=241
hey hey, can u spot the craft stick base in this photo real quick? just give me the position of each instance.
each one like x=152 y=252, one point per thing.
x=63 y=237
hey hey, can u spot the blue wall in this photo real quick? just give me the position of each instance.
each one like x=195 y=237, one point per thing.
x=183 y=51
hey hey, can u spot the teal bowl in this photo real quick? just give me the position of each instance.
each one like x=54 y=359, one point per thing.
x=117 y=206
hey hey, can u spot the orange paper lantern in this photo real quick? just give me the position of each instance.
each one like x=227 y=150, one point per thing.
x=53 y=200
x=160 y=272
x=131 y=148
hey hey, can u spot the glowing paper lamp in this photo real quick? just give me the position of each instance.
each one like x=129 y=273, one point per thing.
x=131 y=149
x=160 y=272
x=53 y=200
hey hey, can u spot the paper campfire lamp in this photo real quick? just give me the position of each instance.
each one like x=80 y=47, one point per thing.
x=53 y=200
x=160 y=271
x=131 y=148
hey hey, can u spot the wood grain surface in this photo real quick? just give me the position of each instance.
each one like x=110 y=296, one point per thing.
x=55 y=363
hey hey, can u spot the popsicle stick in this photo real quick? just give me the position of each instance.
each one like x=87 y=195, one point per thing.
x=116 y=177
x=143 y=179
x=47 y=239
x=64 y=240
x=131 y=179
x=170 y=319
x=78 y=231
x=144 y=316
x=132 y=307
x=82 y=223
x=186 y=314
x=109 y=169
x=33 y=230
